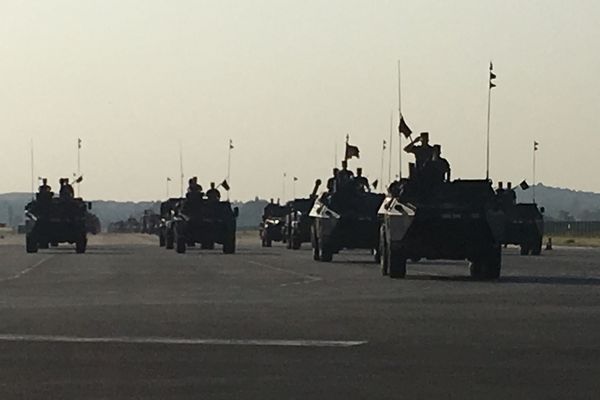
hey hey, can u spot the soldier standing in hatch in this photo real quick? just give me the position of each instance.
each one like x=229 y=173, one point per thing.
x=344 y=176
x=361 y=182
x=423 y=153
x=331 y=182
x=66 y=190
x=213 y=193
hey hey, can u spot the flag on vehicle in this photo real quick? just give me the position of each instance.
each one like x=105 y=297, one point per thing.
x=524 y=185
x=535 y=146
x=230 y=144
x=351 y=151
x=375 y=183
x=79 y=143
x=79 y=180
x=403 y=128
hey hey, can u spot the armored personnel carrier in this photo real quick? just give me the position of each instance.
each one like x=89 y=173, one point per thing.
x=168 y=209
x=150 y=222
x=345 y=219
x=458 y=220
x=297 y=222
x=272 y=227
x=53 y=220
x=198 y=220
x=525 y=227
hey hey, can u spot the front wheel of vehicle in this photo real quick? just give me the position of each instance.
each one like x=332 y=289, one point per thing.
x=31 y=245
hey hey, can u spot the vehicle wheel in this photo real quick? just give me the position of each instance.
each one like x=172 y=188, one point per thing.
x=314 y=240
x=81 y=245
x=31 y=245
x=288 y=243
x=396 y=264
x=296 y=244
x=384 y=256
x=536 y=248
x=180 y=244
x=492 y=264
x=169 y=239
x=268 y=243
x=326 y=252
x=229 y=244
x=161 y=240
x=524 y=249
x=475 y=269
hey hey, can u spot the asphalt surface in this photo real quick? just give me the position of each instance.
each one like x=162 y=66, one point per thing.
x=128 y=320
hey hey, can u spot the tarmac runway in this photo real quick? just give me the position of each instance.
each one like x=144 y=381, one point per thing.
x=129 y=320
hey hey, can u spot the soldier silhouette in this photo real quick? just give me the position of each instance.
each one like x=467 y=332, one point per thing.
x=361 y=182
x=213 y=193
x=423 y=152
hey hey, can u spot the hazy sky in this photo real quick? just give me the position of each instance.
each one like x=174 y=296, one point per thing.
x=287 y=80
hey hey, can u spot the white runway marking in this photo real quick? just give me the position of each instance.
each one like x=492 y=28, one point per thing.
x=305 y=278
x=26 y=270
x=180 y=341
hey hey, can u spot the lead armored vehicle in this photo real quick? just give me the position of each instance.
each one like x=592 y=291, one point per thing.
x=345 y=219
x=53 y=220
x=199 y=220
x=457 y=220
x=298 y=222
x=272 y=228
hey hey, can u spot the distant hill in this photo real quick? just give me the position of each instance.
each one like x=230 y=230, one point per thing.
x=564 y=204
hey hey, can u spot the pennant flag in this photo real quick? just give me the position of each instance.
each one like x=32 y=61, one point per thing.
x=225 y=185
x=230 y=144
x=384 y=144
x=403 y=128
x=375 y=183
x=535 y=146
x=351 y=151
x=523 y=185
x=295 y=179
x=169 y=179
x=79 y=180
x=78 y=143
x=492 y=76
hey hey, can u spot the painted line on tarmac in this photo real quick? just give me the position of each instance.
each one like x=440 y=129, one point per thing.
x=180 y=341
x=26 y=270
x=305 y=278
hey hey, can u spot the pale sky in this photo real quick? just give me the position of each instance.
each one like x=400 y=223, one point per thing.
x=286 y=81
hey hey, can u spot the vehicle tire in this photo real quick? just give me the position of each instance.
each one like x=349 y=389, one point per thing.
x=396 y=264
x=31 y=245
x=288 y=243
x=268 y=243
x=492 y=264
x=314 y=240
x=81 y=244
x=161 y=240
x=296 y=244
x=326 y=251
x=180 y=243
x=169 y=239
x=229 y=244
x=536 y=248
x=384 y=256
x=524 y=249
x=475 y=269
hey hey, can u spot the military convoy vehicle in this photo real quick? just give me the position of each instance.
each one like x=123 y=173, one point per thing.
x=525 y=227
x=53 y=220
x=345 y=220
x=272 y=228
x=298 y=222
x=168 y=209
x=454 y=220
x=199 y=220
x=150 y=222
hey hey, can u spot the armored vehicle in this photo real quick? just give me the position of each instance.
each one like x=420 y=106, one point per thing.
x=297 y=222
x=272 y=227
x=344 y=220
x=92 y=223
x=525 y=227
x=453 y=220
x=165 y=227
x=198 y=220
x=52 y=220
x=150 y=222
